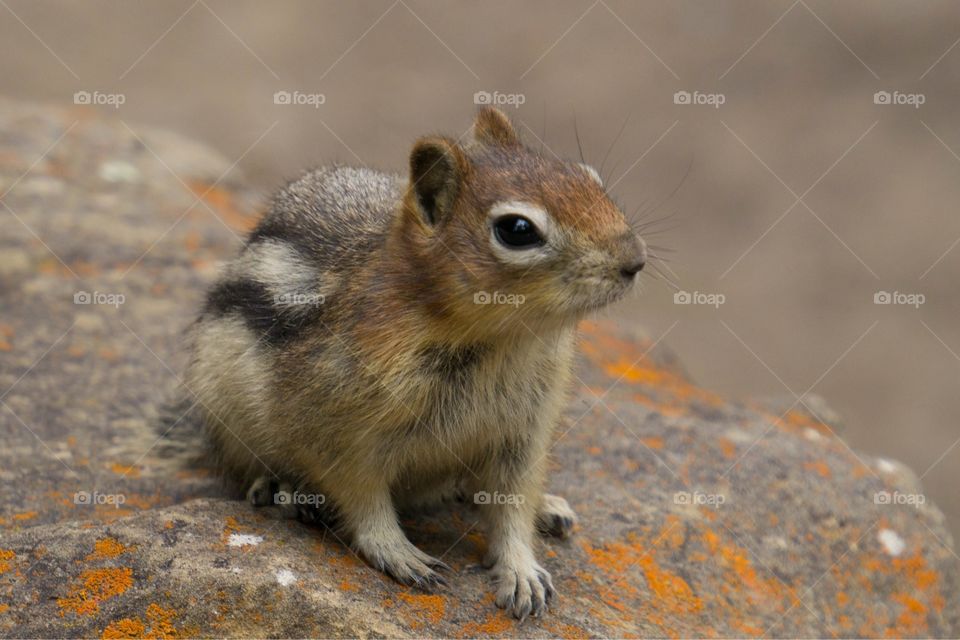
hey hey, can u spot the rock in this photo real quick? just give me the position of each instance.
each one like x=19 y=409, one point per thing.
x=699 y=517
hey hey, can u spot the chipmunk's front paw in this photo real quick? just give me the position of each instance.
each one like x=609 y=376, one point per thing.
x=523 y=588
x=403 y=562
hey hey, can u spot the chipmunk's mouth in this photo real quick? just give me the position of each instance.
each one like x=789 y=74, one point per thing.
x=594 y=293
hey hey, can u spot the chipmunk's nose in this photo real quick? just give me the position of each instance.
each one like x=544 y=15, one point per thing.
x=631 y=270
x=635 y=253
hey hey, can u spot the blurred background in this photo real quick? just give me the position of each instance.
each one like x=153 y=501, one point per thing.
x=804 y=154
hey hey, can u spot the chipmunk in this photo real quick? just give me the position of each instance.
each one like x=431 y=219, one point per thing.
x=358 y=346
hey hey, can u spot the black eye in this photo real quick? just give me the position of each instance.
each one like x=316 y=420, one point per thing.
x=516 y=232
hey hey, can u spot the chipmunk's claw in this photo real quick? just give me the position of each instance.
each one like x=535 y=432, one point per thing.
x=406 y=564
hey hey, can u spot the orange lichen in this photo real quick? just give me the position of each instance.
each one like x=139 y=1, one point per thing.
x=741 y=583
x=26 y=515
x=94 y=587
x=565 y=631
x=747 y=629
x=495 y=623
x=672 y=597
x=653 y=443
x=124 y=470
x=5 y=557
x=728 y=448
x=346 y=585
x=230 y=526
x=346 y=560
x=427 y=608
x=106 y=548
x=819 y=466
x=159 y=626
x=916 y=571
x=799 y=419
x=912 y=619
x=667 y=390
x=124 y=628
x=4 y=608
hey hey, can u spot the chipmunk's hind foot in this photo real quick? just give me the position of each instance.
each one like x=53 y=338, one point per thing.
x=555 y=517
x=261 y=491
x=267 y=492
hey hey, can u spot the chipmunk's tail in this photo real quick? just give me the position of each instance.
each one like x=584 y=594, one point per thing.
x=179 y=429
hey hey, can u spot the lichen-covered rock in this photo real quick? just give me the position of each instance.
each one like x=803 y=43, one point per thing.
x=699 y=517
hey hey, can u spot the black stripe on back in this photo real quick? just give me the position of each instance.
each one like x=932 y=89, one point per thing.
x=252 y=302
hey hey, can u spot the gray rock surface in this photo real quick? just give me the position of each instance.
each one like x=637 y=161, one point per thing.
x=699 y=516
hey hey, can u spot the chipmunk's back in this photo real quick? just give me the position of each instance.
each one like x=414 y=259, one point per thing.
x=332 y=216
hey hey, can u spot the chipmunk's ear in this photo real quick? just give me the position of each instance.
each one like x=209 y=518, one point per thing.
x=437 y=169
x=492 y=127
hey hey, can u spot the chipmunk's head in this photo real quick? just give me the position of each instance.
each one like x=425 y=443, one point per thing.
x=506 y=233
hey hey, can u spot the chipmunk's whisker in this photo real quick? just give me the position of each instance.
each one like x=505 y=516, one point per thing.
x=613 y=143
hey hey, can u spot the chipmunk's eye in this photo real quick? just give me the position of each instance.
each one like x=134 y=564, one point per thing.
x=516 y=232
